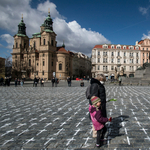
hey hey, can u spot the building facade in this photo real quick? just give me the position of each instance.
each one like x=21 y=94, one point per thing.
x=108 y=58
x=2 y=67
x=81 y=66
x=40 y=57
x=144 y=50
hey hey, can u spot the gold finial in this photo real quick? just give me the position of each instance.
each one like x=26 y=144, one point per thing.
x=48 y=10
x=22 y=16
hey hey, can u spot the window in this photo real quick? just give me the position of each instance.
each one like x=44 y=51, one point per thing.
x=98 y=53
x=29 y=62
x=147 y=60
x=98 y=60
x=16 y=63
x=106 y=68
x=37 y=64
x=52 y=63
x=60 y=66
x=143 y=48
x=130 y=54
x=124 y=53
x=44 y=42
x=143 y=61
x=124 y=47
x=103 y=68
x=137 y=61
x=143 y=54
x=124 y=60
x=52 y=42
x=104 y=60
x=16 y=45
x=147 y=49
x=132 y=60
x=34 y=45
x=124 y=67
x=112 y=46
x=112 y=67
x=137 y=54
x=112 y=60
x=98 y=68
x=118 y=60
x=130 y=67
x=147 y=54
x=36 y=72
x=15 y=56
x=24 y=45
x=112 y=53
x=105 y=53
x=42 y=72
x=43 y=63
x=43 y=54
x=118 y=53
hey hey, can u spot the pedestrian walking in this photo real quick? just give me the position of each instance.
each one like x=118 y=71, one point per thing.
x=16 y=82
x=97 y=89
x=97 y=118
x=56 y=82
x=53 y=81
x=42 y=82
x=69 y=81
x=21 y=82
x=120 y=79
x=35 y=82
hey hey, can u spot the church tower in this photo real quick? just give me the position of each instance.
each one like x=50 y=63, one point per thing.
x=21 y=44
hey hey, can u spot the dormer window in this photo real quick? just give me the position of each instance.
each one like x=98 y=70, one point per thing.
x=124 y=47
x=105 y=46
x=112 y=46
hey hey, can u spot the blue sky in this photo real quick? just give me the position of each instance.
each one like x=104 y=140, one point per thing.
x=82 y=24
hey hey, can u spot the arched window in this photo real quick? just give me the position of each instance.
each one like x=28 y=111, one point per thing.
x=16 y=45
x=60 y=66
x=44 y=42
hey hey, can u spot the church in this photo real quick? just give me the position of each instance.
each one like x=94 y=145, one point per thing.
x=40 y=57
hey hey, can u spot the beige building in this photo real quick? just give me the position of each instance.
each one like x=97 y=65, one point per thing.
x=81 y=66
x=108 y=58
x=144 y=50
x=40 y=57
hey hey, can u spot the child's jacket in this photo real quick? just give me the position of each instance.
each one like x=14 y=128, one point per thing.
x=97 y=119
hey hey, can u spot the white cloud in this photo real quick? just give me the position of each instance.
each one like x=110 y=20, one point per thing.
x=9 y=39
x=143 y=10
x=146 y=36
x=76 y=37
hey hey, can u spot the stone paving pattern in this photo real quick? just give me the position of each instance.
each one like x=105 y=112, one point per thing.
x=47 y=118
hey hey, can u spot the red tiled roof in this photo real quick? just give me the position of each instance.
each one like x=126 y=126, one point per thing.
x=61 y=49
x=140 y=42
x=98 y=46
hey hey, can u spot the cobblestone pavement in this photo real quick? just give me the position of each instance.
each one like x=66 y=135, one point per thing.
x=46 y=118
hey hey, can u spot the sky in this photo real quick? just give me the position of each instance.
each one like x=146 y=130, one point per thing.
x=81 y=24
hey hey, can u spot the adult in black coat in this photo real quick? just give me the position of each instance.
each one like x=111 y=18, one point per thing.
x=98 y=89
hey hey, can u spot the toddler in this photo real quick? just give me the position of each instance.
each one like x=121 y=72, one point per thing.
x=96 y=116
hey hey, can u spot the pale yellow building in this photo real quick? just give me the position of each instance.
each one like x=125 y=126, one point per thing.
x=40 y=57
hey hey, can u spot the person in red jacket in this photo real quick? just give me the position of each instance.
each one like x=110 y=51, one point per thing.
x=97 y=118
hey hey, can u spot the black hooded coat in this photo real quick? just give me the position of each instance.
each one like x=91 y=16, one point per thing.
x=98 y=89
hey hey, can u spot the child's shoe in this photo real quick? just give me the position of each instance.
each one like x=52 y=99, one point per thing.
x=98 y=145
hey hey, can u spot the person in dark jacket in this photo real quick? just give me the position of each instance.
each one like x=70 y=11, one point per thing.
x=53 y=81
x=98 y=89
